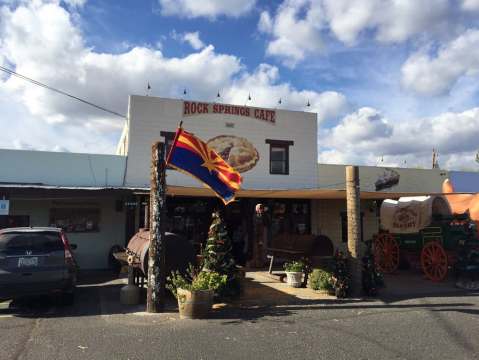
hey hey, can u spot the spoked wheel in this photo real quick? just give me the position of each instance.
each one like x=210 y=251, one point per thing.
x=434 y=261
x=386 y=253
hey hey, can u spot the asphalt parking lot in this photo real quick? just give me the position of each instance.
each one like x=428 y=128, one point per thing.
x=442 y=325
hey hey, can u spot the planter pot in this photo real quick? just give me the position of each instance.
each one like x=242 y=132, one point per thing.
x=194 y=304
x=294 y=279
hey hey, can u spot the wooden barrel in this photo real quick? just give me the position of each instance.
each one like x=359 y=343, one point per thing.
x=180 y=252
x=194 y=304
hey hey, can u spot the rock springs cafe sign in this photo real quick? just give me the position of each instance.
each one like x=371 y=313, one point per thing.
x=191 y=108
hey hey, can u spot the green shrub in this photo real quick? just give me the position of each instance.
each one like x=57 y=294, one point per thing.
x=294 y=266
x=320 y=279
x=195 y=279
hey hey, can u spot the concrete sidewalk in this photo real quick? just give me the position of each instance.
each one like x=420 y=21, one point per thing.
x=262 y=288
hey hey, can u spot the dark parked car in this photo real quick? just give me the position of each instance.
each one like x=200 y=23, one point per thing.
x=36 y=261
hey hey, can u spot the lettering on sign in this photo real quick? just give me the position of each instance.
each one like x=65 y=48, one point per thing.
x=191 y=108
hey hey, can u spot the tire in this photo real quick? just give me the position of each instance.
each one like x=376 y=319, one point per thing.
x=67 y=298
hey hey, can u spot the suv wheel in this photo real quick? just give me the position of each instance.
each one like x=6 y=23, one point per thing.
x=67 y=298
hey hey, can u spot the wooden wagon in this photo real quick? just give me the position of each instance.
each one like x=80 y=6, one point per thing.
x=424 y=232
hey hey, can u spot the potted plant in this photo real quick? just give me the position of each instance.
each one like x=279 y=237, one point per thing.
x=294 y=273
x=195 y=291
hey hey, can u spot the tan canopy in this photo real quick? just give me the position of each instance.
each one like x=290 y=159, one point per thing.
x=411 y=214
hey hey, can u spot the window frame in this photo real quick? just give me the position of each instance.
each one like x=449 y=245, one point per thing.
x=285 y=144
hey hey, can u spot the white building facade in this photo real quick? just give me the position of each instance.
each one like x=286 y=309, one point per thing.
x=99 y=199
x=151 y=119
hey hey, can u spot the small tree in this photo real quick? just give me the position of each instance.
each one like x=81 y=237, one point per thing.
x=217 y=254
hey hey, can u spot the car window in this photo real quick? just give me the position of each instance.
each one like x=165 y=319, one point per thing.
x=42 y=241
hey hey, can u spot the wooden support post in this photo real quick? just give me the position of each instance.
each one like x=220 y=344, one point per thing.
x=354 y=228
x=156 y=262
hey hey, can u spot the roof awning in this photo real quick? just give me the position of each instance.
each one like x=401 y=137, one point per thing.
x=290 y=193
x=174 y=190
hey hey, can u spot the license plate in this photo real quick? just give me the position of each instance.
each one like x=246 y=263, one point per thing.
x=28 y=261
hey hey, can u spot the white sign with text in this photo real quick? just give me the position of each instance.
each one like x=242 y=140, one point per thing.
x=4 y=207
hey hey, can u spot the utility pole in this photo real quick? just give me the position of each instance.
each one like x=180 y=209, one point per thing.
x=354 y=228
x=156 y=261
x=435 y=164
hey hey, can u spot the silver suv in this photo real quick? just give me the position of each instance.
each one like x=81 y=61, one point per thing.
x=36 y=261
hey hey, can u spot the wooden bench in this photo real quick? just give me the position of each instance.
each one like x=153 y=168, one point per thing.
x=292 y=247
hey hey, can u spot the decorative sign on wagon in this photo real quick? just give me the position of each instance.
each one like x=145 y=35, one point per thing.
x=405 y=218
x=411 y=214
x=191 y=108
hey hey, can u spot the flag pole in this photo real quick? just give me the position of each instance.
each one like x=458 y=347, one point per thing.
x=175 y=140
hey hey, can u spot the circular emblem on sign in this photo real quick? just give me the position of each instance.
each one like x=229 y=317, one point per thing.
x=405 y=218
x=236 y=151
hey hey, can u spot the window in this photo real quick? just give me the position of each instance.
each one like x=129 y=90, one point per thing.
x=291 y=217
x=279 y=156
x=76 y=219
x=41 y=241
x=344 y=227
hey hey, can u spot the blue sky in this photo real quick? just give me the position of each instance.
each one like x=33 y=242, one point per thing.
x=389 y=80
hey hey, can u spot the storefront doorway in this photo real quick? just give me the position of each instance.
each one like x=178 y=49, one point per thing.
x=191 y=217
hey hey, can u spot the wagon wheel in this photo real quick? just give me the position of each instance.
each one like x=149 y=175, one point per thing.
x=386 y=253
x=434 y=261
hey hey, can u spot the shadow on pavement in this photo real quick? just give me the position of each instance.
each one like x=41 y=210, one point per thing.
x=99 y=294
x=96 y=294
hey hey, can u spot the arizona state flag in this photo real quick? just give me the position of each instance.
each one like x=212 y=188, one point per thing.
x=191 y=155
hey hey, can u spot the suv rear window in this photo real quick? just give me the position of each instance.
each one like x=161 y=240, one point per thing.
x=41 y=241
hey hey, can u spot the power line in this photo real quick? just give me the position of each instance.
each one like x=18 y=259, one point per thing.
x=38 y=83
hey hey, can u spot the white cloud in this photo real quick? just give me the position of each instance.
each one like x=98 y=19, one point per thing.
x=265 y=89
x=41 y=41
x=193 y=38
x=397 y=21
x=75 y=3
x=435 y=75
x=299 y=27
x=347 y=18
x=366 y=124
x=265 y=23
x=206 y=8
x=295 y=31
x=470 y=5
x=365 y=136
